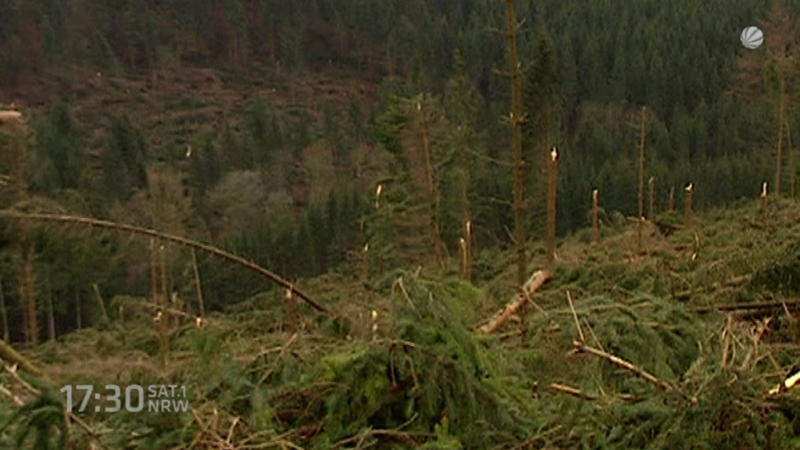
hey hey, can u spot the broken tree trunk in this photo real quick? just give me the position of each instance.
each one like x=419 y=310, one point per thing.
x=171 y=238
x=8 y=354
x=534 y=282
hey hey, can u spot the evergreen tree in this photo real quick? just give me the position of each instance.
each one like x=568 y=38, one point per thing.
x=541 y=108
x=461 y=104
x=60 y=146
x=265 y=133
x=124 y=159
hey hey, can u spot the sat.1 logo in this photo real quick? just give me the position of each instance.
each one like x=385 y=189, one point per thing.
x=752 y=38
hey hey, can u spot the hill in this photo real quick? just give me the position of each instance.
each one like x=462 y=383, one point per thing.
x=617 y=351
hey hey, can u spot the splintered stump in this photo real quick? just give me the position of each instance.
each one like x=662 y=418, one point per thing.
x=514 y=306
x=10 y=118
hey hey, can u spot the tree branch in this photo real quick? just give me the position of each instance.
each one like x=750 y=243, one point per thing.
x=172 y=238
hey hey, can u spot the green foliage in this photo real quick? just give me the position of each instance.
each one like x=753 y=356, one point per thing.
x=124 y=159
x=780 y=274
x=36 y=421
x=265 y=131
x=539 y=131
x=60 y=145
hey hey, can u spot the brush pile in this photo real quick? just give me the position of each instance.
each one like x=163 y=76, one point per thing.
x=659 y=351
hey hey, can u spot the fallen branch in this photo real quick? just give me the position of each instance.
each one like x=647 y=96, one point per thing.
x=733 y=282
x=583 y=348
x=744 y=306
x=577 y=393
x=13 y=358
x=151 y=306
x=575 y=316
x=172 y=238
x=384 y=433
x=536 y=281
x=11 y=118
x=75 y=419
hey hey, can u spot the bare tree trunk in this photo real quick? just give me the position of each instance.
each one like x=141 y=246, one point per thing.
x=100 y=302
x=291 y=311
x=520 y=233
x=198 y=286
x=671 y=202
x=765 y=207
x=515 y=305
x=552 y=186
x=466 y=251
x=29 y=296
x=78 y=313
x=433 y=200
x=781 y=122
x=595 y=221
x=467 y=219
x=4 y=315
x=11 y=356
x=687 y=205
x=792 y=163
x=153 y=271
x=51 y=320
x=163 y=325
x=640 y=218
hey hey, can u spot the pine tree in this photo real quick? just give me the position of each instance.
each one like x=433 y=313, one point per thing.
x=60 y=143
x=769 y=77
x=124 y=159
x=461 y=104
x=540 y=106
x=125 y=156
x=264 y=131
x=520 y=216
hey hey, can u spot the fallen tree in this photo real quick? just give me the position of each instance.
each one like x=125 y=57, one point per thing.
x=536 y=281
x=171 y=238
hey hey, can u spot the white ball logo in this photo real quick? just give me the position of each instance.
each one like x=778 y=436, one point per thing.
x=752 y=38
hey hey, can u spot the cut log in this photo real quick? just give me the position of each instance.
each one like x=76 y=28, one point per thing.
x=515 y=305
x=9 y=355
x=10 y=118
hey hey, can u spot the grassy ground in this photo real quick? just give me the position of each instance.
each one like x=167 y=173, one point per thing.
x=401 y=364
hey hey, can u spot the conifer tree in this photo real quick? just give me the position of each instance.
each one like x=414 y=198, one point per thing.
x=770 y=77
x=541 y=108
x=461 y=104
x=520 y=229
x=265 y=134
x=60 y=146
x=124 y=159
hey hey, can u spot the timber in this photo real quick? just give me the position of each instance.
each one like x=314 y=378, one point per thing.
x=537 y=280
x=12 y=357
x=520 y=232
x=172 y=238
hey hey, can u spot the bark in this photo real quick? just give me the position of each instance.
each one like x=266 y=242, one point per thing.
x=536 y=281
x=520 y=233
x=171 y=238
x=433 y=202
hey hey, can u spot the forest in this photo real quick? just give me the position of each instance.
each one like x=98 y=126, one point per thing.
x=171 y=154
x=103 y=153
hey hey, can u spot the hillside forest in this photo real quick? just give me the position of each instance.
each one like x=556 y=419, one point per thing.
x=350 y=141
